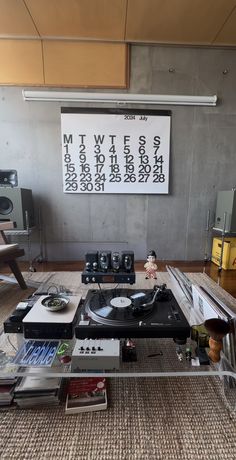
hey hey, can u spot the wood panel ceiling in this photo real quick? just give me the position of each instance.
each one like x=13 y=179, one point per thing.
x=187 y=22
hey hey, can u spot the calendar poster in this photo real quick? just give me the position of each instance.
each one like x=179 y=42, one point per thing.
x=108 y=151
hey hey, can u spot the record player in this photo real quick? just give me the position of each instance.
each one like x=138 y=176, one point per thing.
x=124 y=312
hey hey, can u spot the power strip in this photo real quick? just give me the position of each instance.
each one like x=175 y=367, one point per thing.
x=96 y=355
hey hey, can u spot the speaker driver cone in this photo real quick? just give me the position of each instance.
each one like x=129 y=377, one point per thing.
x=6 y=205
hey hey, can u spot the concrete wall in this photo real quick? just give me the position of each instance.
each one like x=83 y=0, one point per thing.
x=203 y=141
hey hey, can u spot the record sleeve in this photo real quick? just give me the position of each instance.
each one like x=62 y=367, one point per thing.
x=86 y=395
x=37 y=353
x=37 y=382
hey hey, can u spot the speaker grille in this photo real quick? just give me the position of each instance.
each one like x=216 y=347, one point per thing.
x=6 y=205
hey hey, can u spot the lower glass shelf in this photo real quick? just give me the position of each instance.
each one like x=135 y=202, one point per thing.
x=155 y=358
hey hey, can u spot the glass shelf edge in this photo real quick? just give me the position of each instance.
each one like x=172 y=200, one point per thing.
x=127 y=374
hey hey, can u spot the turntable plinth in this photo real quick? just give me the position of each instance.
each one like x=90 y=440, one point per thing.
x=115 y=313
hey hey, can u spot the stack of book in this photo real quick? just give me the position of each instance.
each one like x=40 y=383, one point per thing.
x=6 y=394
x=86 y=394
x=36 y=390
x=7 y=384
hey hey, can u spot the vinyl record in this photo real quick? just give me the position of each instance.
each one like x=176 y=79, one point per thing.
x=114 y=307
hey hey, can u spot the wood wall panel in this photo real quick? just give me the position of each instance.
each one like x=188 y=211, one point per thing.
x=15 y=19
x=227 y=35
x=21 y=62
x=85 y=64
x=193 y=22
x=96 y=19
x=176 y=21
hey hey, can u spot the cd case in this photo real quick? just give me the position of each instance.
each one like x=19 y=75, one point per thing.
x=86 y=395
x=37 y=353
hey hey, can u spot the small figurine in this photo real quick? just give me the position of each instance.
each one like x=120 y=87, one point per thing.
x=150 y=266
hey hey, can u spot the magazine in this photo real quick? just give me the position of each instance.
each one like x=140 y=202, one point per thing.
x=86 y=394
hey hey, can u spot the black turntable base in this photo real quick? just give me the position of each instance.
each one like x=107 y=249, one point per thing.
x=121 y=313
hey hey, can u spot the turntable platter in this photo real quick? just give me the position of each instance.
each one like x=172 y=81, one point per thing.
x=108 y=307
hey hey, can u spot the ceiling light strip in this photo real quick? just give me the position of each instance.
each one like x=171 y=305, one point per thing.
x=118 y=98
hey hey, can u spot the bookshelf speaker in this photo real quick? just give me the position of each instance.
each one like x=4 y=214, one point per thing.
x=226 y=203
x=16 y=205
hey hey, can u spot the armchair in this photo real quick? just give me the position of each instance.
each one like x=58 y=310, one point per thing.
x=8 y=255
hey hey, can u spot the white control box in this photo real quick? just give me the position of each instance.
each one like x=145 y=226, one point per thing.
x=96 y=355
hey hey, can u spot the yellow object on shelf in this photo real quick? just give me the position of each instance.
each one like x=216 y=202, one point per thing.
x=229 y=253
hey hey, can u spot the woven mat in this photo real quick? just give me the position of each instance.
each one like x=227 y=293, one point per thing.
x=147 y=418
x=166 y=419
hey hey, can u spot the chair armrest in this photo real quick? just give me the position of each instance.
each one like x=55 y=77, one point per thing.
x=8 y=248
x=10 y=252
x=6 y=226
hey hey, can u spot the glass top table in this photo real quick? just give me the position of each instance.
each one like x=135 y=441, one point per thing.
x=156 y=357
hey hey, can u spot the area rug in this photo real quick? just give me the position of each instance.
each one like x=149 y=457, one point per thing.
x=147 y=418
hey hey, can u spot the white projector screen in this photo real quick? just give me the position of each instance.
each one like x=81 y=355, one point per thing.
x=115 y=151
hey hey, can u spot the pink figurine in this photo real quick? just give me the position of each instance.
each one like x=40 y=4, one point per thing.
x=150 y=266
